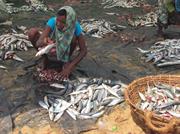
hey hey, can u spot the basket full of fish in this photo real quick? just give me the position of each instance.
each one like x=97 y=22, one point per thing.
x=155 y=100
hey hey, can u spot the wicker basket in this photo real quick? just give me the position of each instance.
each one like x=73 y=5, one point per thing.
x=153 y=122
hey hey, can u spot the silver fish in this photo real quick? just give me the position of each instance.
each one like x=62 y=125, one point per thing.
x=3 y=67
x=51 y=114
x=110 y=90
x=42 y=104
x=58 y=116
x=46 y=101
x=174 y=114
x=115 y=102
x=81 y=86
x=98 y=114
x=168 y=104
x=45 y=50
x=57 y=85
x=142 y=96
x=15 y=57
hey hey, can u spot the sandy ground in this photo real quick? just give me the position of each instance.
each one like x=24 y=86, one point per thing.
x=118 y=121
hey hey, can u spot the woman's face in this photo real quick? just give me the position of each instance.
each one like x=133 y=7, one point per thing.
x=61 y=22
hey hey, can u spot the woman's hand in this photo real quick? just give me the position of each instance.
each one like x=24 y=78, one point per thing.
x=66 y=70
x=44 y=42
x=47 y=41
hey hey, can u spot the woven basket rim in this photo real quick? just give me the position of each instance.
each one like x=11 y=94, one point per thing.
x=128 y=100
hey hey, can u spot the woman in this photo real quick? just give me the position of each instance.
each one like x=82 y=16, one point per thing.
x=169 y=14
x=65 y=31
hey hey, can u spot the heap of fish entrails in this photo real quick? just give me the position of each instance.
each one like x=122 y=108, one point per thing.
x=98 y=28
x=149 y=19
x=48 y=75
x=161 y=98
x=87 y=100
x=163 y=53
x=121 y=3
x=33 y=5
x=11 y=42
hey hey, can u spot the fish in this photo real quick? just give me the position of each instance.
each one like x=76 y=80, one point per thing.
x=174 y=114
x=81 y=86
x=109 y=90
x=42 y=104
x=84 y=117
x=58 y=116
x=87 y=100
x=143 y=51
x=57 y=85
x=15 y=57
x=46 y=101
x=115 y=102
x=142 y=96
x=3 y=67
x=73 y=113
x=168 y=104
x=45 y=50
x=98 y=114
x=6 y=23
x=51 y=113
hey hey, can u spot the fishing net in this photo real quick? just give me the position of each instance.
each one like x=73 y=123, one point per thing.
x=153 y=121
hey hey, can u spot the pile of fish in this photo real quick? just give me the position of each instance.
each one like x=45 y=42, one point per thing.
x=33 y=5
x=163 y=53
x=121 y=3
x=13 y=41
x=98 y=28
x=88 y=98
x=149 y=19
x=161 y=98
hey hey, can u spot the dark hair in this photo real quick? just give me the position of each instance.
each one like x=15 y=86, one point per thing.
x=61 y=12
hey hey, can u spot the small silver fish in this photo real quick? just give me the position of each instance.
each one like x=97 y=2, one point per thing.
x=3 y=67
x=58 y=116
x=57 y=85
x=51 y=114
x=174 y=114
x=142 y=96
x=45 y=50
x=15 y=57
x=42 y=104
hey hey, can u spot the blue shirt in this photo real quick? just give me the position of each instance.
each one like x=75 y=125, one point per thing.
x=52 y=22
x=177 y=5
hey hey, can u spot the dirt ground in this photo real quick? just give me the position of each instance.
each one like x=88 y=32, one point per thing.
x=109 y=57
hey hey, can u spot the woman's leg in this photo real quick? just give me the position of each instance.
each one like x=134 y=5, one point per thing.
x=33 y=35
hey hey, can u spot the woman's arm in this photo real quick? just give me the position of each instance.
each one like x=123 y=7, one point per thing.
x=68 y=67
x=83 y=50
